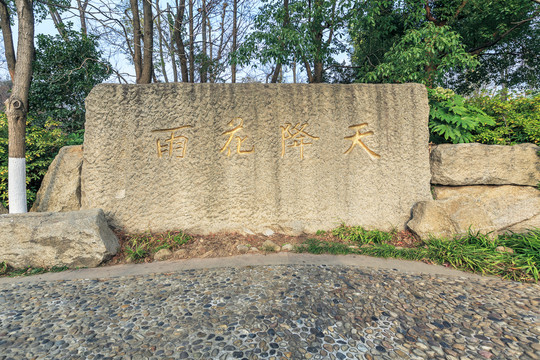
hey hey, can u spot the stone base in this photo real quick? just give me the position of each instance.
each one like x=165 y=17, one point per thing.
x=487 y=209
x=73 y=239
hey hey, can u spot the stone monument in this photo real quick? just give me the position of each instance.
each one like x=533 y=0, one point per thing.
x=255 y=157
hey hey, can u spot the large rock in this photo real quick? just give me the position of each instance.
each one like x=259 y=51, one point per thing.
x=478 y=164
x=61 y=187
x=3 y=210
x=288 y=158
x=495 y=209
x=73 y=239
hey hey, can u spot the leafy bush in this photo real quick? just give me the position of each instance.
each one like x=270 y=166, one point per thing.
x=42 y=145
x=517 y=119
x=452 y=118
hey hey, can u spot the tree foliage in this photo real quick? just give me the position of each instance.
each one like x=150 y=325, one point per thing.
x=65 y=70
x=423 y=55
x=302 y=31
x=517 y=119
x=502 y=35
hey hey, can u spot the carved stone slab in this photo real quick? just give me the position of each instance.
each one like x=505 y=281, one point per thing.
x=255 y=157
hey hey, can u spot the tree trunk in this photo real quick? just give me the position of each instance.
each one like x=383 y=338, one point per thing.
x=58 y=23
x=137 y=53
x=191 y=44
x=16 y=108
x=286 y=22
x=82 y=16
x=5 y=24
x=160 y=34
x=203 y=72
x=234 y=39
x=317 y=31
x=177 y=35
x=148 y=41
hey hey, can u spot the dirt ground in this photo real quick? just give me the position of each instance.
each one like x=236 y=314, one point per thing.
x=224 y=244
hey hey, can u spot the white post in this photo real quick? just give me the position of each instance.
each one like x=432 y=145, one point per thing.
x=17 y=185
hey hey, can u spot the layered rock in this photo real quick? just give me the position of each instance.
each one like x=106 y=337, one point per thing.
x=487 y=209
x=479 y=164
x=73 y=239
x=61 y=187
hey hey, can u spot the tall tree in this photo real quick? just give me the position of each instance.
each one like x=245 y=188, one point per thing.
x=17 y=104
x=143 y=38
x=503 y=37
x=303 y=30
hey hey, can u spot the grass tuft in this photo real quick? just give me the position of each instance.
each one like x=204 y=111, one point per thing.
x=474 y=252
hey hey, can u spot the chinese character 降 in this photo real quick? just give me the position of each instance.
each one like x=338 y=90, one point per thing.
x=356 y=140
x=175 y=144
x=296 y=135
x=239 y=140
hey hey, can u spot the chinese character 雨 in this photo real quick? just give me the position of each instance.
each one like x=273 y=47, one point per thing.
x=295 y=135
x=174 y=144
x=239 y=140
x=356 y=140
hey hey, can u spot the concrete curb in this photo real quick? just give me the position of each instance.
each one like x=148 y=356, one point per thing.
x=283 y=258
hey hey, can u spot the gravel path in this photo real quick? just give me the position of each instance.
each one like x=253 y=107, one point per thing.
x=271 y=312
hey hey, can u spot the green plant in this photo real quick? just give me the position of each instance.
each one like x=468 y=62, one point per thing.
x=452 y=119
x=65 y=69
x=140 y=246
x=42 y=145
x=474 y=252
x=517 y=119
x=360 y=235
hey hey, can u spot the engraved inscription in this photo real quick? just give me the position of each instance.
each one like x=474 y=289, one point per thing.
x=295 y=136
x=356 y=140
x=174 y=144
x=239 y=140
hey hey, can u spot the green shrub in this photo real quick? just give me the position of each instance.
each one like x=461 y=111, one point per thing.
x=42 y=145
x=452 y=118
x=517 y=119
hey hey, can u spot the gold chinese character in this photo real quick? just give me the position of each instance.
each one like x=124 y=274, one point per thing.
x=239 y=140
x=297 y=135
x=356 y=140
x=173 y=144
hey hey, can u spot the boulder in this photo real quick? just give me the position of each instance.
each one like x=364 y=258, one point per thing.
x=488 y=209
x=61 y=187
x=162 y=254
x=478 y=164
x=73 y=239
x=3 y=210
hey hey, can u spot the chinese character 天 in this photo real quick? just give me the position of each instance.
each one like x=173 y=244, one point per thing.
x=356 y=140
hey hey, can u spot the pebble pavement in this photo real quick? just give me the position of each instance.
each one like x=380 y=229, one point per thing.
x=271 y=312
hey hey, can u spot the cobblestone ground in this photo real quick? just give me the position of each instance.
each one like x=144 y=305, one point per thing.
x=271 y=312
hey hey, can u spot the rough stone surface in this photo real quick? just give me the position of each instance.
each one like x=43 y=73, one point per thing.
x=3 y=210
x=287 y=168
x=269 y=245
x=73 y=239
x=243 y=248
x=287 y=247
x=162 y=254
x=479 y=164
x=61 y=187
x=271 y=312
x=482 y=208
